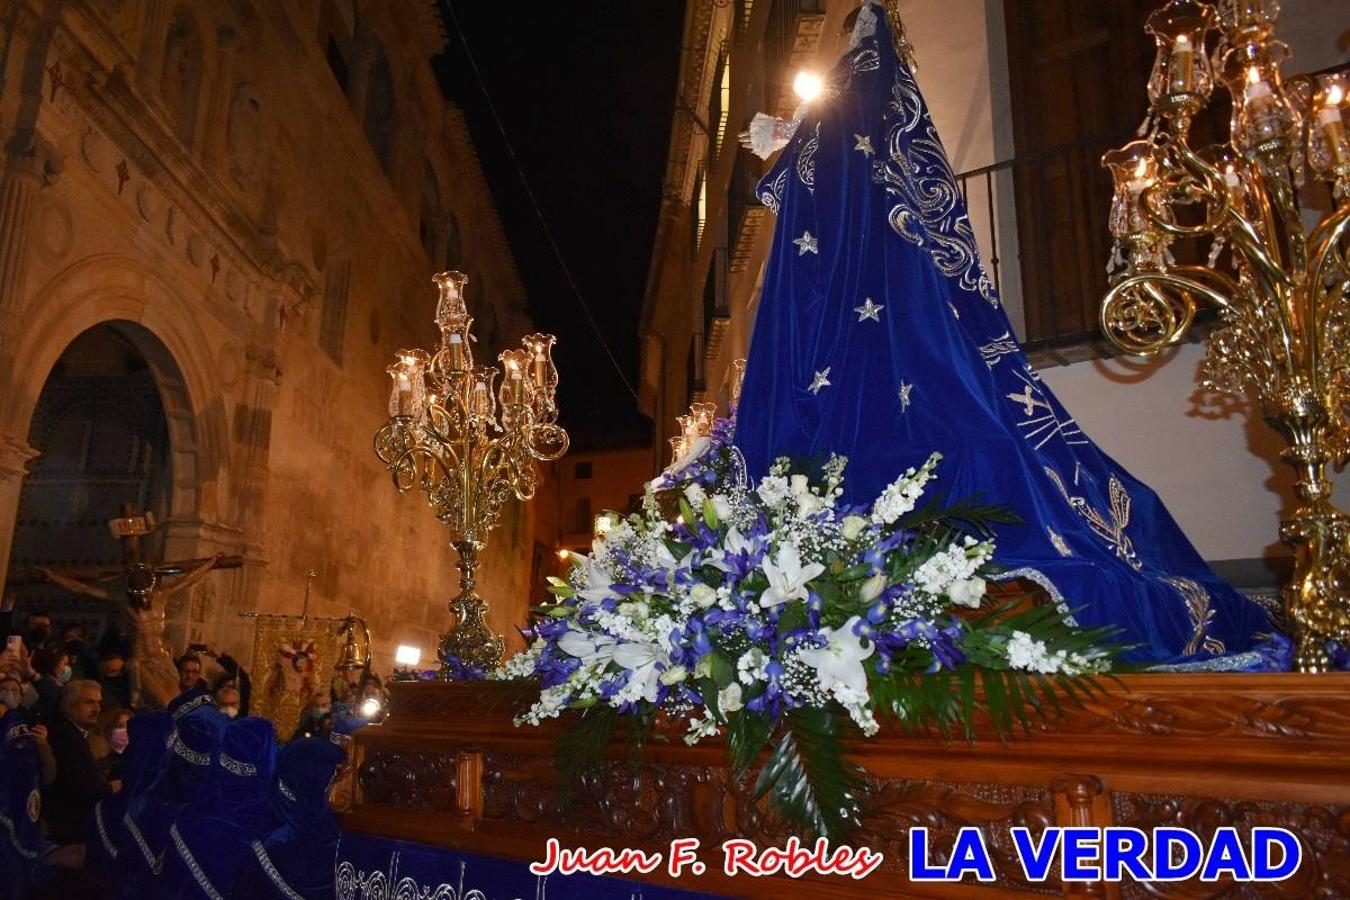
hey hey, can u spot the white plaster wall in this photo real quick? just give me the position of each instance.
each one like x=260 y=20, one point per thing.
x=1215 y=463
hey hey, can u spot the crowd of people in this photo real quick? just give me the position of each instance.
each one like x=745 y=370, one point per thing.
x=101 y=796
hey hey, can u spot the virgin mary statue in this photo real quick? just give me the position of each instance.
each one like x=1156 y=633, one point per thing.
x=880 y=337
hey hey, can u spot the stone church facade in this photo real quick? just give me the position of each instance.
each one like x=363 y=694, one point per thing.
x=249 y=197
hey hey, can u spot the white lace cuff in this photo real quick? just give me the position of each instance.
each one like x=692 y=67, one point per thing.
x=769 y=134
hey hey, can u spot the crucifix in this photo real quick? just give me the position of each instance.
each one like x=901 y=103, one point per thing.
x=154 y=678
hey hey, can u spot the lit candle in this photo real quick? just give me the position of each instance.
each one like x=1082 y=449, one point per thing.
x=1257 y=88
x=1331 y=125
x=1142 y=177
x=540 y=364
x=1181 y=71
x=517 y=380
x=455 y=344
x=482 y=400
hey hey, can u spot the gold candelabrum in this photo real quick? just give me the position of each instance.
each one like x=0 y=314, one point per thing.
x=470 y=446
x=1281 y=291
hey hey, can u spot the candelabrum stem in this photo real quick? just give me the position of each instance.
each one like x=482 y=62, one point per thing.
x=469 y=641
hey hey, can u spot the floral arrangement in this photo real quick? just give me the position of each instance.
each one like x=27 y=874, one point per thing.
x=782 y=619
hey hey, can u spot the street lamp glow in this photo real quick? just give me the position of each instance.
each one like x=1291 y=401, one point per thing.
x=808 y=85
x=407 y=656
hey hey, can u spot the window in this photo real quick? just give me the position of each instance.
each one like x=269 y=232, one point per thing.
x=721 y=101
x=582 y=470
x=700 y=208
x=181 y=81
x=333 y=320
x=584 y=523
x=379 y=112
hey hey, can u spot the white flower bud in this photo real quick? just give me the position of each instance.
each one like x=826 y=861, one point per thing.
x=852 y=527
x=729 y=698
x=703 y=595
x=872 y=588
x=968 y=592
x=674 y=675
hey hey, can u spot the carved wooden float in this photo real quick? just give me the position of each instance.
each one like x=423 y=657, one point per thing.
x=448 y=769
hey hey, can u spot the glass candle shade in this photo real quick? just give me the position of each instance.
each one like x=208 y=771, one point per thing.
x=543 y=373
x=1328 y=146
x=514 y=365
x=482 y=397
x=1134 y=169
x=1233 y=170
x=407 y=391
x=1262 y=113
x=703 y=414
x=678 y=448
x=451 y=311
x=1248 y=20
x=1181 y=66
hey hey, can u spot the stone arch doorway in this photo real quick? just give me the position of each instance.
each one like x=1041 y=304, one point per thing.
x=112 y=425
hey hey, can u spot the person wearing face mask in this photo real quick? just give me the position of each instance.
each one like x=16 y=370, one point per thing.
x=53 y=668
x=11 y=695
x=318 y=717
x=108 y=741
x=228 y=700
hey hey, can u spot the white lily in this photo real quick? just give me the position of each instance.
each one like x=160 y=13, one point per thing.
x=787 y=576
x=589 y=648
x=839 y=664
x=642 y=660
x=733 y=544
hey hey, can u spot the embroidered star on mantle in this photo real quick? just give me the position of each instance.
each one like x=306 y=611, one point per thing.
x=869 y=310
x=863 y=143
x=821 y=381
x=807 y=244
x=905 y=390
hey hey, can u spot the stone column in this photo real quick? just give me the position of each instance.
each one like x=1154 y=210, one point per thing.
x=15 y=454
x=215 y=141
x=150 y=60
x=22 y=174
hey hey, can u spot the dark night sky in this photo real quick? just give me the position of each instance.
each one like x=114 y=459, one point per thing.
x=585 y=92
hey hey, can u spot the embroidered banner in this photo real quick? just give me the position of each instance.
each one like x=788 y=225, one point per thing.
x=371 y=868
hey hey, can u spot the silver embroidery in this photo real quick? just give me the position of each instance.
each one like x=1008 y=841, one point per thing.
x=868 y=60
x=806 y=160
x=820 y=381
x=353 y=884
x=1202 y=616
x=1111 y=530
x=1038 y=577
x=772 y=196
x=203 y=700
x=191 y=862
x=1236 y=662
x=156 y=863
x=242 y=769
x=905 y=390
x=1041 y=423
x=103 y=830
x=271 y=871
x=1058 y=541
x=869 y=310
x=183 y=750
x=285 y=791
x=919 y=177
x=14 y=838
x=1001 y=346
x=807 y=243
